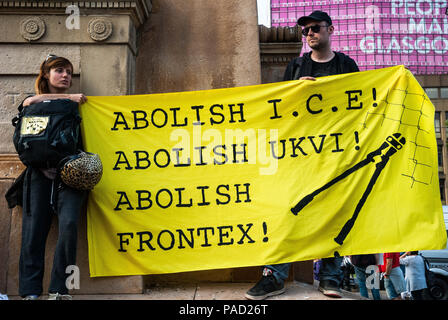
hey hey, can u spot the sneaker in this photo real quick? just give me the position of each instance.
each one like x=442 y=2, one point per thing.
x=406 y=295
x=330 y=289
x=268 y=286
x=31 y=297
x=58 y=296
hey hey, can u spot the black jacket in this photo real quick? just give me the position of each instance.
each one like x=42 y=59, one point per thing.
x=302 y=66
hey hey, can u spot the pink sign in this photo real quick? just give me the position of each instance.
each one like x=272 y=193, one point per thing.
x=378 y=34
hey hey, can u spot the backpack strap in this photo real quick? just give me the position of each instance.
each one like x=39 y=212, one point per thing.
x=16 y=119
x=297 y=67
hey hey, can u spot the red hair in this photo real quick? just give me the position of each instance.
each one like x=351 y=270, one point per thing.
x=41 y=84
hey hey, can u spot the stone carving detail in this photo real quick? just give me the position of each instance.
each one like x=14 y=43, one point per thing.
x=32 y=28
x=100 y=29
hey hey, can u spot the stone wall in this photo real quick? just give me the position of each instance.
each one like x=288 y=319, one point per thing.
x=103 y=49
x=197 y=45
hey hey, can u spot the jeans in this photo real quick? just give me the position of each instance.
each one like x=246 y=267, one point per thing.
x=361 y=279
x=43 y=198
x=329 y=270
x=395 y=283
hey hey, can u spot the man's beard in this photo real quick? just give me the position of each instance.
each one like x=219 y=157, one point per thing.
x=317 y=45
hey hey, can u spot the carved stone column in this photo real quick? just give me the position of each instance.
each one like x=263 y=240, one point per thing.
x=100 y=39
x=278 y=46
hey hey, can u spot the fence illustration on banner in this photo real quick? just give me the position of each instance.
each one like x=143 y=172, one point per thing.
x=407 y=109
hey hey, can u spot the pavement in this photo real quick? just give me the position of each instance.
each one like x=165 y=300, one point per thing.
x=215 y=291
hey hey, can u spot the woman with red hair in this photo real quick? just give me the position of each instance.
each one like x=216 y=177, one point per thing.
x=44 y=194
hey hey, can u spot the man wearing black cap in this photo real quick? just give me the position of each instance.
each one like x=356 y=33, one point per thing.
x=320 y=61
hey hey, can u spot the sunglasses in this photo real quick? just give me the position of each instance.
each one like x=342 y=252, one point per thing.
x=50 y=57
x=315 y=29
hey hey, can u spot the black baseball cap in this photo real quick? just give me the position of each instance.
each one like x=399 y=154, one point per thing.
x=315 y=15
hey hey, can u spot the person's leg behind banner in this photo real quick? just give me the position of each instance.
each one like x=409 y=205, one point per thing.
x=330 y=276
x=272 y=282
x=361 y=280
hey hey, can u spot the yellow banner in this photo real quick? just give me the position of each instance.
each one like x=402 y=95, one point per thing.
x=263 y=174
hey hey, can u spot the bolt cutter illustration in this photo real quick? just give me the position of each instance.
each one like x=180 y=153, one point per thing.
x=392 y=144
